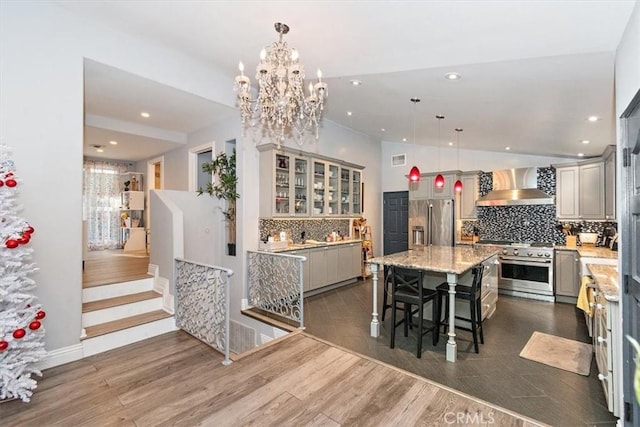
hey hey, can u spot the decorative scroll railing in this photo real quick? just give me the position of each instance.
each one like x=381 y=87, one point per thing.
x=202 y=303
x=275 y=283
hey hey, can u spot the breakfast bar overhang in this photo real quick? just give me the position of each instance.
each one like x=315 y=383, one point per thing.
x=454 y=261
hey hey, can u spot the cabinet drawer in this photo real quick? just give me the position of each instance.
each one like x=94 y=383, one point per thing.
x=488 y=304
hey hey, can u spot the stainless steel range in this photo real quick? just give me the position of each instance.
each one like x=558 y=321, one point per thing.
x=526 y=269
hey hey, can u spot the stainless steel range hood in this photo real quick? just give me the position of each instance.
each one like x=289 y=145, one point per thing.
x=515 y=187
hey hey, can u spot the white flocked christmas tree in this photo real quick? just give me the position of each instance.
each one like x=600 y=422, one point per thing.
x=21 y=330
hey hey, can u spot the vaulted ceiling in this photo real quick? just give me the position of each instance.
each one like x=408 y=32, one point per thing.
x=532 y=71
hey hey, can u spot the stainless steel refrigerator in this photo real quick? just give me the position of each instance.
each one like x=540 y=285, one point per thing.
x=432 y=222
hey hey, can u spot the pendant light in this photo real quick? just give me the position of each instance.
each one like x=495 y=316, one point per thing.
x=414 y=174
x=457 y=187
x=439 y=181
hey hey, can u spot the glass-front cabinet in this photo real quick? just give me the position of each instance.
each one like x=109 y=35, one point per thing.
x=345 y=188
x=285 y=190
x=319 y=178
x=294 y=183
x=356 y=193
x=301 y=185
x=326 y=188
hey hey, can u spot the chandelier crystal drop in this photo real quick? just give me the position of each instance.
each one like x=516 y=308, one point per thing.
x=284 y=106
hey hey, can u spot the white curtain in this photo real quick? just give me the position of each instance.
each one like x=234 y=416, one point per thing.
x=101 y=203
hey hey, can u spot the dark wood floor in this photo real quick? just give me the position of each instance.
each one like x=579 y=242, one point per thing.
x=173 y=379
x=497 y=375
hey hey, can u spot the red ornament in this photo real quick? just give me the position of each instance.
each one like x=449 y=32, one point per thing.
x=11 y=183
x=1 y=183
x=24 y=240
x=19 y=333
x=3 y=345
x=11 y=243
x=34 y=325
x=457 y=187
x=439 y=182
x=29 y=230
x=40 y=315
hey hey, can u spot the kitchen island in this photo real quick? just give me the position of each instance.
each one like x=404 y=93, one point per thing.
x=453 y=261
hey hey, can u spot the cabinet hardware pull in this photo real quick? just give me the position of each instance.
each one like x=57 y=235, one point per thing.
x=601 y=340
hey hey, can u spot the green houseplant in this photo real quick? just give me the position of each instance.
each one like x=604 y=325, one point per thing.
x=223 y=186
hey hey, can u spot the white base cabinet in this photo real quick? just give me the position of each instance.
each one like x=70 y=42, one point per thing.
x=328 y=265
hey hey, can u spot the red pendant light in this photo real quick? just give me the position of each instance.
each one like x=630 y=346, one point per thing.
x=414 y=174
x=439 y=181
x=457 y=187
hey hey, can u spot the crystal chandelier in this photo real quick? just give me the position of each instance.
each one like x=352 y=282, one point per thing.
x=281 y=108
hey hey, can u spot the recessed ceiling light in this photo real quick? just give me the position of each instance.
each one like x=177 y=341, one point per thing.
x=356 y=82
x=585 y=141
x=452 y=76
x=593 y=118
x=99 y=150
x=580 y=154
x=113 y=142
x=404 y=139
x=349 y=113
x=383 y=130
x=507 y=148
x=145 y=114
x=450 y=144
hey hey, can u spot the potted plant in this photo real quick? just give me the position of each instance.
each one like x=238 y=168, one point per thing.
x=223 y=186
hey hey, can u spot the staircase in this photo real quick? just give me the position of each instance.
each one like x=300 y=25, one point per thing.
x=114 y=315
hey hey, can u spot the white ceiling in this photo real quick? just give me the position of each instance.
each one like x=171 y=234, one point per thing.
x=532 y=71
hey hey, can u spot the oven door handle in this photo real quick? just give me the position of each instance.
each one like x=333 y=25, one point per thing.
x=510 y=260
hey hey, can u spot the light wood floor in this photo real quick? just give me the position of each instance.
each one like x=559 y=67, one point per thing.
x=174 y=379
x=113 y=266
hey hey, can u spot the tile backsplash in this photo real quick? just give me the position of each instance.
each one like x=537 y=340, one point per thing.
x=528 y=222
x=315 y=229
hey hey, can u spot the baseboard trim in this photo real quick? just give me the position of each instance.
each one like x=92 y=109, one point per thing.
x=61 y=356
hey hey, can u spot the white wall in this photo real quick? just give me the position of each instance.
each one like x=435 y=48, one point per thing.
x=42 y=49
x=429 y=159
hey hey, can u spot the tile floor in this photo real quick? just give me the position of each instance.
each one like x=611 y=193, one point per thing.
x=497 y=375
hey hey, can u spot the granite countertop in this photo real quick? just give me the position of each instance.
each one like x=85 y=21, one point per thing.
x=606 y=277
x=592 y=251
x=443 y=259
x=313 y=244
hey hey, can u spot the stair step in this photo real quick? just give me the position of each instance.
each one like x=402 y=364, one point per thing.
x=117 y=289
x=116 y=301
x=127 y=322
x=122 y=337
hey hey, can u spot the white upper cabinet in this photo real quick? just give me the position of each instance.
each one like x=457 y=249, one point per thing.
x=296 y=184
x=469 y=194
x=610 y=183
x=580 y=190
x=426 y=189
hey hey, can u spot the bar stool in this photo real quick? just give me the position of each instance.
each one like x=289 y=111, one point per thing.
x=406 y=277
x=410 y=294
x=473 y=294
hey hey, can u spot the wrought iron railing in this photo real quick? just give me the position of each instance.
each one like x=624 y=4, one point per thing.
x=202 y=303
x=275 y=284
